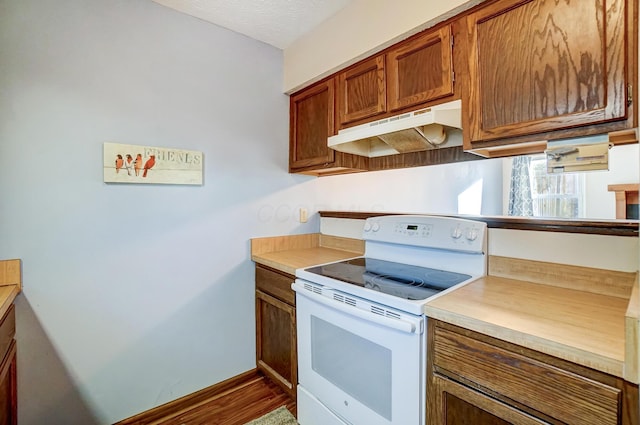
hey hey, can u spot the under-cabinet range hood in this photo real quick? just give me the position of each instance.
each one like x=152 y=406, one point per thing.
x=434 y=127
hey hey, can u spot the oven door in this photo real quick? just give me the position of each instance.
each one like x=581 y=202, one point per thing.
x=361 y=366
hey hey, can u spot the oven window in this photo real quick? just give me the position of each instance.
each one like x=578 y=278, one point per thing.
x=357 y=366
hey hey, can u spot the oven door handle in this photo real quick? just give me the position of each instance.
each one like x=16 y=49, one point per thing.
x=397 y=324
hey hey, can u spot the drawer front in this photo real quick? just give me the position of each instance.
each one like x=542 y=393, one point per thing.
x=7 y=330
x=275 y=284
x=555 y=392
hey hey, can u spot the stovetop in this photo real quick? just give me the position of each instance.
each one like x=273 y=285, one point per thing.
x=400 y=280
x=408 y=260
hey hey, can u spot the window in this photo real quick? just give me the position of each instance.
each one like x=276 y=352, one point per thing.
x=535 y=193
x=555 y=195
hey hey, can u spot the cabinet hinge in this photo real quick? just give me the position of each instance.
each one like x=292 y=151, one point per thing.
x=452 y=41
x=453 y=76
x=629 y=94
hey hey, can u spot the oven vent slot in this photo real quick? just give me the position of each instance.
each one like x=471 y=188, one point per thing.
x=344 y=300
x=313 y=288
x=392 y=314
x=383 y=312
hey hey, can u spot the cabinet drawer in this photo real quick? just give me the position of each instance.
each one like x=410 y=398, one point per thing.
x=7 y=330
x=275 y=284
x=558 y=393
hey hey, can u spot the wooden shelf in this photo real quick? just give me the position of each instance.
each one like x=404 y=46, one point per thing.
x=624 y=227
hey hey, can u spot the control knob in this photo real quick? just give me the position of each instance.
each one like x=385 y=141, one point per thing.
x=472 y=234
x=456 y=233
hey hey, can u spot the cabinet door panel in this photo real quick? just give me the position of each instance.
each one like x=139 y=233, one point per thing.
x=420 y=70
x=8 y=388
x=462 y=405
x=543 y=65
x=312 y=121
x=362 y=91
x=276 y=341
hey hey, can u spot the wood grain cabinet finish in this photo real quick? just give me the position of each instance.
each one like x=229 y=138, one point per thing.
x=276 y=352
x=8 y=370
x=537 y=66
x=312 y=121
x=362 y=91
x=420 y=70
x=476 y=379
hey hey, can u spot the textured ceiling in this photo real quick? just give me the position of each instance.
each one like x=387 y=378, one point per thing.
x=276 y=22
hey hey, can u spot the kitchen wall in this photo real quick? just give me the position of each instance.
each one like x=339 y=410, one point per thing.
x=137 y=295
x=133 y=295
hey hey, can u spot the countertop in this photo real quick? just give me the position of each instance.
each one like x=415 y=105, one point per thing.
x=582 y=327
x=288 y=253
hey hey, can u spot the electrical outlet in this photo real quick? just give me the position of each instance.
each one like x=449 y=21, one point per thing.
x=303 y=215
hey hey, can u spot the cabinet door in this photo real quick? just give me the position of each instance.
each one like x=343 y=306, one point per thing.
x=312 y=122
x=462 y=405
x=362 y=91
x=276 y=354
x=8 y=388
x=420 y=70
x=543 y=65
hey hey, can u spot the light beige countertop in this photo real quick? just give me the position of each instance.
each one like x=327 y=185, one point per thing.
x=584 y=315
x=288 y=253
x=581 y=327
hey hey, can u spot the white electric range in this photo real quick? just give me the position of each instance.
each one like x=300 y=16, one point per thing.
x=360 y=322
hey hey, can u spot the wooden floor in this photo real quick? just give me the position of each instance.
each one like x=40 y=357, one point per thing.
x=236 y=405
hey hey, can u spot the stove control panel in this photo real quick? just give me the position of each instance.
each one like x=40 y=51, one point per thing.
x=415 y=230
x=436 y=232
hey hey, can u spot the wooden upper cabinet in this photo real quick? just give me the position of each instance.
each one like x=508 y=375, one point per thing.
x=311 y=123
x=362 y=91
x=543 y=65
x=420 y=70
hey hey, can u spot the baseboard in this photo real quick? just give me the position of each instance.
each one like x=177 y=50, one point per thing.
x=191 y=400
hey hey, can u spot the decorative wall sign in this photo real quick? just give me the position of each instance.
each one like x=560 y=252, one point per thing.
x=146 y=164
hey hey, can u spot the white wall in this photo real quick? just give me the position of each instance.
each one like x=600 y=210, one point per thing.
x=433 y=189
x=137 y=295
x=360 y=29
x=623 y=168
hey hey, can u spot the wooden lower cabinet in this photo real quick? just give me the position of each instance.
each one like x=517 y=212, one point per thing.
x=276 y=352
x=479 y=380
x=8 y=370
x=463 y=405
